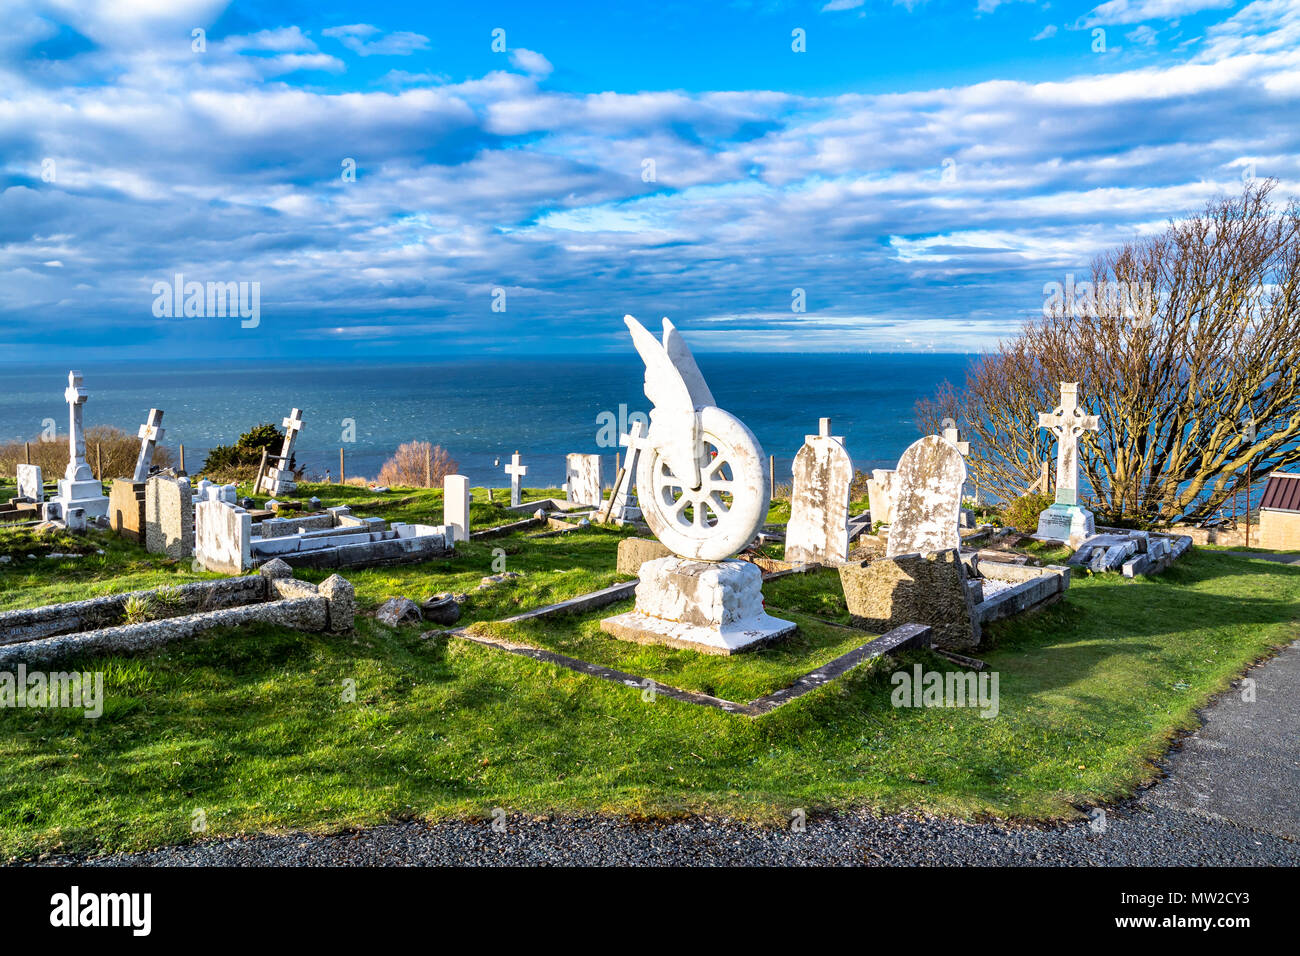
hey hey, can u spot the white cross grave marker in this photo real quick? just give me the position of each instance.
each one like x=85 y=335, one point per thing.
x=279 y=479
x=1068 y=422
x=151 y=432
x=516 y=471
x=953 y=434
x=634 y=441
x=75 y=395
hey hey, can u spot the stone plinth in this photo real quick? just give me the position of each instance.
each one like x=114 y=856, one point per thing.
x=913 y=589
x=87 y=495
x=715 y=607
x=126 y=509
x=1069 y=523
x=634 y=552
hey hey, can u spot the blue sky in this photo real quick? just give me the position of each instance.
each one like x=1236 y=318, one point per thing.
x=919 y=170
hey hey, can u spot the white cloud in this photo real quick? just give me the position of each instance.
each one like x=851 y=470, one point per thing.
x=1136 y=11
x=531 y=62
x=365 y=39
x=1046 y=33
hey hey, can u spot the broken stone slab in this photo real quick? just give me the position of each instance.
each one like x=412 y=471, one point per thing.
x=634 y=552
x=398 y=611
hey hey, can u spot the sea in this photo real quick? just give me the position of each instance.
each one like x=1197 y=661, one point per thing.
x=481 y=410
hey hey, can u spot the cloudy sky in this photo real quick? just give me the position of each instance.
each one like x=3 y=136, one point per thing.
x=417 y=178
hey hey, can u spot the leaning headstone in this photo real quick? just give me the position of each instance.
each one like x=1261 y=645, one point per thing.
x=278 y=479
x=516 y=471
x=151 y=432
x=455 y=505
x=78 y=488
x=818 y=530
x=582 y=480
x=927 y=506
x=168 y=517
x=31 y=483
x=1066 y=520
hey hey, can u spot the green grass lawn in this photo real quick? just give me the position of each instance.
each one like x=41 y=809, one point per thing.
x=252 y=726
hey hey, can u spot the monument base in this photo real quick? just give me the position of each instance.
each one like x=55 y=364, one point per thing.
x=87 y=495
x=715 y=607
x=1067 y=523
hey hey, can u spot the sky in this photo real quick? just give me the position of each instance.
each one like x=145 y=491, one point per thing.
x=392 y=180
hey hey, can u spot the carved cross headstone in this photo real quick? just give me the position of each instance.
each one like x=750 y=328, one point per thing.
x=818 y=530
x=516 y=471
x=634 y=441
x=151 y=432
x=279 y=479
x=1068 y=422
x=75 y=395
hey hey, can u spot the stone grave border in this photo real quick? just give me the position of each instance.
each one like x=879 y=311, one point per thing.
x=900 y=638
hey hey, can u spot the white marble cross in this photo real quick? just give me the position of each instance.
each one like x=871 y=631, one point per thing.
x=151 y=432
x=292 y=425
x=75 y=395
x=1068 y=422
x=823 y=431
x=635 y=441
x=516 y=471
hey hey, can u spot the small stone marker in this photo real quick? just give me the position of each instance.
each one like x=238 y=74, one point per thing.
x=31 y=483
x=516 y=471
x=455 y=506
x=927 y=507
x=1066 y=520
x=818 y=530
x=222 y=536
x=583 y=485
x=151 y=432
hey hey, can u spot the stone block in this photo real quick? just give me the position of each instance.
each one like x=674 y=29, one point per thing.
x=168 y=517
x=917 y=588
x=340 y=597
x=126 y=509
x=634 y=552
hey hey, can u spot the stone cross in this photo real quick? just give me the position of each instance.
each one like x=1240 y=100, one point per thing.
x=278 y=479
x=151 y=432
x=292 y=425
x=516 y=471
x=953 y=434
x=1068 y=423
x=635 y=441
x=75 y=395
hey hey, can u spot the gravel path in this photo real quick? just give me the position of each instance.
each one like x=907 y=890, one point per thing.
x=1228 y=800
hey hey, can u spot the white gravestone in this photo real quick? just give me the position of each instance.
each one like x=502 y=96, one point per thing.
x=880 y=495
x=151 y=433
x=78 y=488
x=622 y=508
x=702 y=484
x=455 y=506
x=1066 y=520
x=222 y=536
x=818 y=530
x=279 y=479
x=516 y=471
x=31 y=483
x=927 y=501
x=582 y=480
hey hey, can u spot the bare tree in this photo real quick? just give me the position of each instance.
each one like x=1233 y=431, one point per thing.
x=417 y=464
x=1187 y=348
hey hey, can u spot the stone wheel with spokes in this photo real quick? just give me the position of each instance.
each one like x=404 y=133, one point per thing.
x=721 y=516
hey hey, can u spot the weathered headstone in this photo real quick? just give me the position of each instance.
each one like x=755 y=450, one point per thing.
x=168 y=517
x=455 y=505
x=78 y=488
x=151 y=432
x=914 y=589
x=880 y=495
x=31 y=483
x=222 y=537
x=279 y=478
x=583 y=480
x=818 y=530
x=927 y=505
x=1066 y=520
x=516 y=471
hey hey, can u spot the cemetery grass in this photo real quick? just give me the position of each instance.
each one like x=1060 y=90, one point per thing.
x=250 y=726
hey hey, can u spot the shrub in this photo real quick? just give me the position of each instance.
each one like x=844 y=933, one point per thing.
x=417 y=464
x=1022 y=514
x=238 y=462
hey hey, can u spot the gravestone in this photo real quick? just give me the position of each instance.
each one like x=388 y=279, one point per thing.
x=621 y=507
x=913 y=589
x=31 y=483
x=168 y=517
x=880 y=495
x=516 y=471
x=78 y=488
x=126 y=509
x=1066 y=520
x=455 y=506
x=818 y=530
x=582 y=480
x=222 y=537
x=279 y=478
x=927 y=505
x=151 y=432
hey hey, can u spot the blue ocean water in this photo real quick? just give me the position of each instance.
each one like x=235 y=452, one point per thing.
x=483 y=409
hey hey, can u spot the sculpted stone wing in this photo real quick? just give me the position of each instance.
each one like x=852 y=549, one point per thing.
x=672 y=390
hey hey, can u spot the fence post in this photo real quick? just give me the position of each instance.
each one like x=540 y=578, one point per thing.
x=341 y=476
x=428 y=466
x=183 y=471
x=771 y=477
